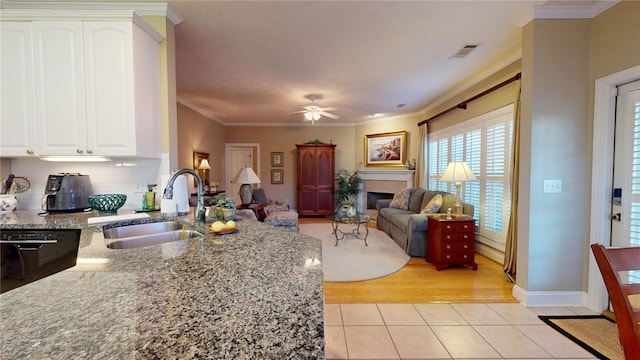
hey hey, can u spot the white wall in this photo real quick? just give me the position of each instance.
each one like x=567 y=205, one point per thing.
x=105 y=177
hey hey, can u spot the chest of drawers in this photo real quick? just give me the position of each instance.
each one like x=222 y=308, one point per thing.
x=451 y=242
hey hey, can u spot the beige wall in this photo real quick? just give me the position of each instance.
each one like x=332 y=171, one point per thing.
x=284 y=139
x=201 y=134
x=555 y=122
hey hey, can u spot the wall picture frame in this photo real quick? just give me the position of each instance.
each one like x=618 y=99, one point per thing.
x=204 y=174
x=277 y=159
x=386 y=149
x=277 y=176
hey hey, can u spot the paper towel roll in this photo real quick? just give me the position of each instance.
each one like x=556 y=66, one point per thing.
x=180 y=201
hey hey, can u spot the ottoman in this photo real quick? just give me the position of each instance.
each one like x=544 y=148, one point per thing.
x=284 y=219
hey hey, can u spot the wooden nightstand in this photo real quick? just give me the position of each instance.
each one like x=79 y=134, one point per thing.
x=451 y=241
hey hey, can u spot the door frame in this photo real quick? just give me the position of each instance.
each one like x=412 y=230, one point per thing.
x=604 y=110
x=227 y=148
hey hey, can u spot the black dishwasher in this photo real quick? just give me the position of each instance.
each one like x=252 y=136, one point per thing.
x=27 y=255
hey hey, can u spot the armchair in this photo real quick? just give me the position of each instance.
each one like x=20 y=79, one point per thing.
x=277 y=211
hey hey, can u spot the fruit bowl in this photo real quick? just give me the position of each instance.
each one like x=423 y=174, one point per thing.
x=107 y=203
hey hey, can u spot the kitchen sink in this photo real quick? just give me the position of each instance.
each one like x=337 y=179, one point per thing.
x=135 y=236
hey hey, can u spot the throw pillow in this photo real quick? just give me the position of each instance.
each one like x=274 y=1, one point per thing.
x=401 y=199
x=433 y=206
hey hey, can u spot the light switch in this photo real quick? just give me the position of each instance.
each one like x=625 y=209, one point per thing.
x=552 y=186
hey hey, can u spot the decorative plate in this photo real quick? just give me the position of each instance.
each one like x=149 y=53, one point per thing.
x=224 y=231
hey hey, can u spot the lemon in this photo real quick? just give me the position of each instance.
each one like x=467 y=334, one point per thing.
x=231 y=224
x=217 y=226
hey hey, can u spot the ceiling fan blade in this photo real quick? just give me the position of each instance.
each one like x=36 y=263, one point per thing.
x=329 y=115
x=327 y=109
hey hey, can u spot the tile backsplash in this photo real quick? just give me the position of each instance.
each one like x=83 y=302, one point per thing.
x=126 y=176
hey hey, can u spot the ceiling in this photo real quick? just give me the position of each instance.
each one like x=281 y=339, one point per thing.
x=256 y=62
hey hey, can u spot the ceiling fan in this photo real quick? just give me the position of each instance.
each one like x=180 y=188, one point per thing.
x=313 y=112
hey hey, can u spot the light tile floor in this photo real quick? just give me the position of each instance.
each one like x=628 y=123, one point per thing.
x=446 y=331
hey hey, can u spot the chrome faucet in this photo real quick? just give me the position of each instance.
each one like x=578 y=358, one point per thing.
x=200 y=213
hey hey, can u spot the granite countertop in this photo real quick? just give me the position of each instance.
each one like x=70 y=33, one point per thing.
x=258 y=295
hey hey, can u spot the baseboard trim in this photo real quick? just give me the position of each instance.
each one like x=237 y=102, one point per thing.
x=491 y=253
x=548 y=298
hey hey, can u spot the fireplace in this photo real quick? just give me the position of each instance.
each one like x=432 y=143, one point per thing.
x=373 y=197
x=381 y=184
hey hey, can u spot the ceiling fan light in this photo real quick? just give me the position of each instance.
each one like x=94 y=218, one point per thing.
x=316 y=115
x=308 y=116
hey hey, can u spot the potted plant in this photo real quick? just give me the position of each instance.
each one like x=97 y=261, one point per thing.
x=224 y=208
x=347 y=189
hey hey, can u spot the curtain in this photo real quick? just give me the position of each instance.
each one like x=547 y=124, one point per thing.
x=510 y=250
x=421 y=167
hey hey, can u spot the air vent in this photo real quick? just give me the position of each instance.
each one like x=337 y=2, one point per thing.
x=464 y=51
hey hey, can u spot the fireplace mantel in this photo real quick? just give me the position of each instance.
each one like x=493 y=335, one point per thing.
x=398 y=178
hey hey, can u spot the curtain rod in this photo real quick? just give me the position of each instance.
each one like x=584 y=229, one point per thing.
x=463 y=104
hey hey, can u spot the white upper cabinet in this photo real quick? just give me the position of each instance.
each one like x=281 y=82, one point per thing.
x=17 y=107
x=97 y=87
x=59 y=83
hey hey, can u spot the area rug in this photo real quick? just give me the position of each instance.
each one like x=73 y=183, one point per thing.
x=596 y=334
x=351 y=260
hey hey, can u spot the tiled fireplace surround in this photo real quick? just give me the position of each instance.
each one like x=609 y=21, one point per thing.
x=382 y=181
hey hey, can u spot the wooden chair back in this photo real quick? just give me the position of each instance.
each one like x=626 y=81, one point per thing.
x=611 y=261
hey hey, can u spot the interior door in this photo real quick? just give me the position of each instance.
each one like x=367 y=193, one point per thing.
x=238 y=157
x=625 y=209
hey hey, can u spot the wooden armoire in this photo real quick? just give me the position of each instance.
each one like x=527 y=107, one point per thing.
x=316 y=179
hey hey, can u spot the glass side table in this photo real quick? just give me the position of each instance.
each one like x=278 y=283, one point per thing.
x=354 y=221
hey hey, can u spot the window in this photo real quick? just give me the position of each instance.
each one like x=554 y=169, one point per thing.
x=485 y=144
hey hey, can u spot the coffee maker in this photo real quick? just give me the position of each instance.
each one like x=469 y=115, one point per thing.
x=67 y=192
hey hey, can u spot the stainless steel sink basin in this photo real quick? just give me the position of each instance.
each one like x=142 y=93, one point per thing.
x=135 y=236
x=141 y=229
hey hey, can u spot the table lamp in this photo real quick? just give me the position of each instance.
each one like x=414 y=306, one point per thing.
x=246 y=177
x=458 y=171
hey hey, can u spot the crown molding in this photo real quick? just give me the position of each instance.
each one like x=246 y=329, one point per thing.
x=140 y=8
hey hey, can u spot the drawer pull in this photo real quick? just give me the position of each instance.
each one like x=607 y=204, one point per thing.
x=448 y=237
x=448 y=256
x=465 y=237
x=465 y=256
x=465 y=246
x=448 y=246
x=448 y=227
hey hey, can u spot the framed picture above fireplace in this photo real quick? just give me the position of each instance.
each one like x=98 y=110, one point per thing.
x=386 y=149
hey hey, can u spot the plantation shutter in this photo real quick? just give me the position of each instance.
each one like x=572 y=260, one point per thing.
x=485 y=144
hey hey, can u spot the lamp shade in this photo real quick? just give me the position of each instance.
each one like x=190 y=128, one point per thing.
x=246 y=176
x=204 y=165
x=458 y=171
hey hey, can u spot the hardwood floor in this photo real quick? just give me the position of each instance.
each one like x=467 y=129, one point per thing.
x=420 y=282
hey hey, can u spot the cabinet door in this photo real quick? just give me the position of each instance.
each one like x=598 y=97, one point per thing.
x=306 y=167
x=17 y=116
x=59 y=85
x=325 y=180
x=108 y=59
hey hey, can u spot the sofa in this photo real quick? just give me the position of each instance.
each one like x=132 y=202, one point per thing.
x=408 y=227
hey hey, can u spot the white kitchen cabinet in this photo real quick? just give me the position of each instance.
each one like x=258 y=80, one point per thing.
x=97 y=87
x=17 y=113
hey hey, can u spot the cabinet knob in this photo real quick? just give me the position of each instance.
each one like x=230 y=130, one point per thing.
x=89 y=151
x=448 y=256
x=448 y=237
x=466 y=226
x=465 y=236
x=448 y=227
x=465 y=256
x=465 y=246
x=29 y=152
x=448 y=246
x=79 y=151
